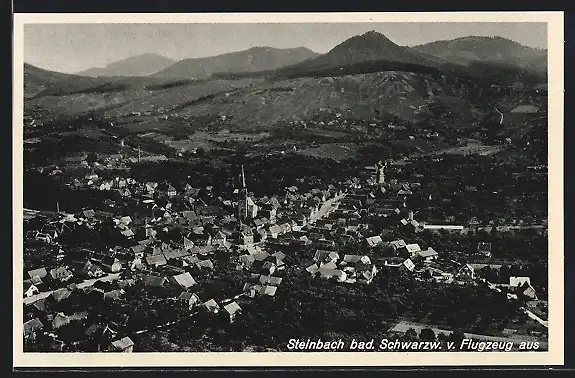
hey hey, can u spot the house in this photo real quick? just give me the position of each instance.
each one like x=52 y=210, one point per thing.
x=40 y=272
x=278 y=258
x=365 y=273
x=427 y=255
x=171 y=191
x=262 y=267
x=269 y=280
x=523 y=286
x=184 y=280
x=219 y=238
x=252 y=289
x=175 y=254
x=99 y=331
x=212 y=306
x=397 y=244
x=154 y=281
x=413 y=248
x=60 y=294
x=31 y=326
x=313 y=269
x=201 y=238
x=191 y=299
x=138 y=250
x=156 y=260
x=123 y=221
x=515 y=282
x=89 y=214
x=528 y=291
x=354 y=259
x=327 y=271
x=92 y=270
x=484 y=249
x=232 y=309
x=30 y=289
x=275 y=231
x=60 y=320
x=124 y=345
x=467 y=272
x=128 y=233
x=408 y=265
x=268 y=290
x=374 y=241
x=285 y=228
x=205 y=264
x=258 y=223
x=35 y=280
x=111 y=264
x=61 y=274
x=304 y=240
x=188 y=244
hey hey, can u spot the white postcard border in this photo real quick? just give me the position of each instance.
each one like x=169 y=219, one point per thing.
x=555 y=354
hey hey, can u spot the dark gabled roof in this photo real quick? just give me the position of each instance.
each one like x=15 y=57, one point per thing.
x=270 y=280
x=61 y=294
x=32 y=325
x=175 y=254
x=138 y=248
x=205 y=264
x=150 y=280
x=186 y=296
x=158 y=259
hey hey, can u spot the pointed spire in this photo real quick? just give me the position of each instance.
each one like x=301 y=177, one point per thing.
x=243 y=178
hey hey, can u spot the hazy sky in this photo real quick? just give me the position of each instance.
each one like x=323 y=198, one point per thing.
x=75 y=47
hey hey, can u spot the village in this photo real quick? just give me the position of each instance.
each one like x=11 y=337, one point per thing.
x=83 y=270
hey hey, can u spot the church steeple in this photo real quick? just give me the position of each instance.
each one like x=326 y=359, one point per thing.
x=243 y=198
x=245 y=194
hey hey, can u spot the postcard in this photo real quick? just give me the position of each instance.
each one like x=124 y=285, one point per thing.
x=288 y=189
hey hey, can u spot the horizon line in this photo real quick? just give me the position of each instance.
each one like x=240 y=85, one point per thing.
x=279 y=48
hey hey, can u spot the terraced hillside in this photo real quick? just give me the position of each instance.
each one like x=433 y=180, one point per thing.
x=409 y=96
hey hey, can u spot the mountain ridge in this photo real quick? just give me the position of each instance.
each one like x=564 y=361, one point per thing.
x=257 y=58
x=496 y=50
x=138 y=65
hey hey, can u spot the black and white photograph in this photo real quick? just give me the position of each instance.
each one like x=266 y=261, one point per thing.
x=210 y=187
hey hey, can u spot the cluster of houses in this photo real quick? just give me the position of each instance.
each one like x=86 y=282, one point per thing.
x=171 y=247
x=349 y=269
x=372 y=198
x=174 y=245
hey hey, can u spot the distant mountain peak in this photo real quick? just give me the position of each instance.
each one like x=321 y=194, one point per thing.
x=138 y=65
x=368 y=40
x=253 y=59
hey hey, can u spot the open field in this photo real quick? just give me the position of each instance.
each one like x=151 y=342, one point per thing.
x=333 y=151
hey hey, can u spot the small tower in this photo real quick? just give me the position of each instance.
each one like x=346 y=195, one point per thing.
x=410 y=215
x=381 y=173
